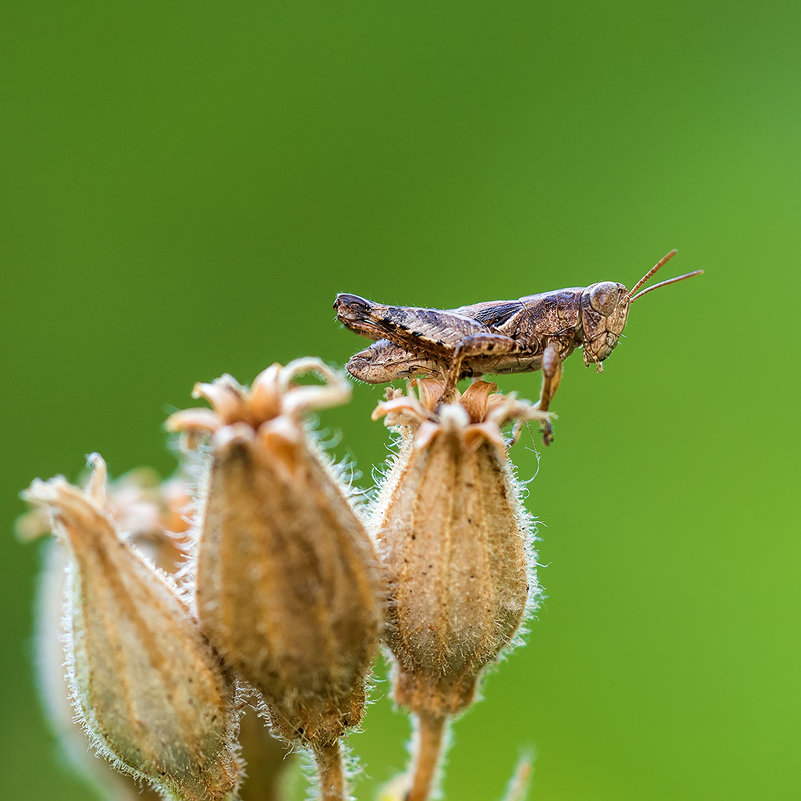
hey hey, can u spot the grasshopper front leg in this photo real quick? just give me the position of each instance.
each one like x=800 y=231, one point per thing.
x=551 y=376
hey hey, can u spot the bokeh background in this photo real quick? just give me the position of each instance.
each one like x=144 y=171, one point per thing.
x=185 y=186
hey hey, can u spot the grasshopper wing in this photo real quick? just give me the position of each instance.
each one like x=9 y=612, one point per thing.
x=492 y=313
x=424 y=331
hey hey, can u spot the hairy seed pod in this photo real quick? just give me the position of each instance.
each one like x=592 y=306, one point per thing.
x=54 y=691
x=288 y=587
x=152 y=516
x=453 y=538
x=148 y=689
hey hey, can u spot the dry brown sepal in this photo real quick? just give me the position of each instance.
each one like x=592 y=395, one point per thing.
x=152 y=515
x=148 y=689
x=454 y=542
x=145 y=510
x=288 y=588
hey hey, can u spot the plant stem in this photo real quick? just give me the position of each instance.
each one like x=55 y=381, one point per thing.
x=428 y=748
x=329 y=770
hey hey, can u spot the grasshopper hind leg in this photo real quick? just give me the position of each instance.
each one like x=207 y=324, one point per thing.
x=384 y=361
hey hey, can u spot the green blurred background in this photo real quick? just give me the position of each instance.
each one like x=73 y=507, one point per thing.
x=185 y=186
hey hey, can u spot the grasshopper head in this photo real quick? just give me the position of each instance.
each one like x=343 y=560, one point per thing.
x=604 y=311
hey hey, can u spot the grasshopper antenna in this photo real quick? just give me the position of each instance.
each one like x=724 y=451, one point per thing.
x=665 y=283
x=666 y=258
x=661 y=263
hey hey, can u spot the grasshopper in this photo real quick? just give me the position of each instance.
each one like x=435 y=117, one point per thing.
x=536 y=332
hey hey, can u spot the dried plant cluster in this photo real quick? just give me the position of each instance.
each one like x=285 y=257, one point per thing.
x=204 y=629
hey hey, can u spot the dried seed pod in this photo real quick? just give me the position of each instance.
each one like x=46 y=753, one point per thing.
x=453 y=539
x=152 y=515
x=147 y=687
x=54 y=687
x=288 y=588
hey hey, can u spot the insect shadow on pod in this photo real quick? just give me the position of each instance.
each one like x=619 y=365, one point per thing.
x=536 y=332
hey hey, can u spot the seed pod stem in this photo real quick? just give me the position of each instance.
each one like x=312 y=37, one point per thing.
x=266 y=759
x=429 y=740
x=330 y=772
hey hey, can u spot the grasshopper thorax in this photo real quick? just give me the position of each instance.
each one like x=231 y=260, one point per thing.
x=604 y=311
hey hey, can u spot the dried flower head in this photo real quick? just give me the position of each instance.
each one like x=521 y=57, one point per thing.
x=151 y=514
x=453 y=539
x=288 y=588
x=147 y=687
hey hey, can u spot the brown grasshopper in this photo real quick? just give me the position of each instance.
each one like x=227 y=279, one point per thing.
x=537 y=332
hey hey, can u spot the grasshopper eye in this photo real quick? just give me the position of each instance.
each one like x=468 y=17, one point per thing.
x=604 y=297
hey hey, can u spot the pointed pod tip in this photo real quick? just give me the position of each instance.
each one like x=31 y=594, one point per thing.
x=40 y=492
x=95 y=461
